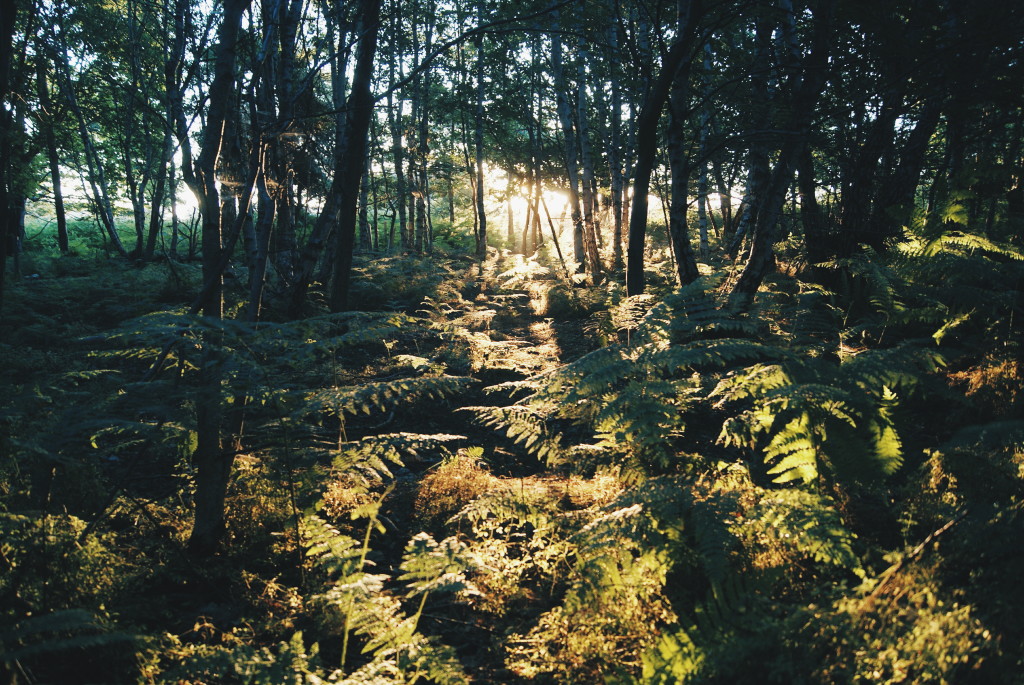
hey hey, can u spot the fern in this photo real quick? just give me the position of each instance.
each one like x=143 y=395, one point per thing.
x=382 y=396
x=430 y=567
x=56 y=634
x=525 y=425
x=362 y=606
x=810 y=417
x=290 y=662
x=728 y=629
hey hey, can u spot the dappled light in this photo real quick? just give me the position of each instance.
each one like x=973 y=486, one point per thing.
x=425 y=341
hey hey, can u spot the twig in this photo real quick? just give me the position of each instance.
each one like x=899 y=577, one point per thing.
x=891 y=572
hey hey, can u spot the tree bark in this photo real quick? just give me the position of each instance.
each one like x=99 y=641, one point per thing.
x=805 y=93
x=590 y=231
x=646 y=147
x=360 y=111
x=679 y=110
x=47 y=107
x=570 y=147
x=8 y=15
x=615 y=150
x=213 y=463
x=478 y=140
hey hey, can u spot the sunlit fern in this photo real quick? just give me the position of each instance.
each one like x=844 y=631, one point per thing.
x=809 y=417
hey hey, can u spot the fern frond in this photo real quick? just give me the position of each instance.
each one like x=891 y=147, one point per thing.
x=754 y=381
x=335 y=553
x=792 y=453
x=897 y=368
x=525 y=425
x=806 y=523
x=431 y=566
x=55 y=634
x=725 y=629
x=707 y=354
x=381 y=396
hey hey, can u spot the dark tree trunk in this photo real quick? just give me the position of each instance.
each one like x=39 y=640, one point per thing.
x=895 y=200
x=805 y=93
x=213 y=463
x=570 y=147
x=811 y=216
x=646 y=148
x=365 y=237
x=8 y=14
x=478 y=139
x=615 y=151
x=679 y=110
x=46 y=104
x=360 y=111
x=323 y=230
x=588 y=196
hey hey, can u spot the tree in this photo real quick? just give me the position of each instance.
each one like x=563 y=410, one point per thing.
x=212 y=459
x=360 y=109
x=647 y=136
x=8 y=19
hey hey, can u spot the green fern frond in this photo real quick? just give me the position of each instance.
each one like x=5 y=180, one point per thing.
x=883 y=283
x=754 y=381
x=806 y=523
x=726 y=628
x=509 y=514
x=792 y=453
x=899 y=368
x=525 y=425
x=431 y=566
x=969 y=242
x=710 y=523
x=808 y=415
x=381 y=396
x=335 y=553
x=55 y=634
x=707 y=354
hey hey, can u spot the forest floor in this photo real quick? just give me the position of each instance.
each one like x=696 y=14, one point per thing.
x=513 y=339
x=559 y=565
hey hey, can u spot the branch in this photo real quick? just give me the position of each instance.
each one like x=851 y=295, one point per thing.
x=891 y=572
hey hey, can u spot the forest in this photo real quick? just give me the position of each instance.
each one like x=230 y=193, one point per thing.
x=550 y=341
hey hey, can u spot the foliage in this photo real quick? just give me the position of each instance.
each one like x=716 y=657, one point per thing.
x=810 y=418
x=797 y=491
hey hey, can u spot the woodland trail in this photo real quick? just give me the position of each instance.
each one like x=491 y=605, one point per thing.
x=521 y=339
x=503 y=309
x=501 y=331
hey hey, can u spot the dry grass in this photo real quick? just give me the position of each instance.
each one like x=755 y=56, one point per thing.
x=995 y=385
x=452 y=485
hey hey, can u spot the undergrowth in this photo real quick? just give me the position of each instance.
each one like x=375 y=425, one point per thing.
x=806 y=490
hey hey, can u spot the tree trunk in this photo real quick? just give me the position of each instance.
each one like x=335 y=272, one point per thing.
x=590 y=231
x=96 y=175
x=646 y=146
x=213 y=463
x=396 y=122
x=801 y=105
x=679 y=110
x=570 y=147
x=478 y=138
x=815 y=235
x=615 y=149
x=46 y=105
x=895 y=200
x=8 y=14
x=318 y=242
x=360 y=111
x=365 y=237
